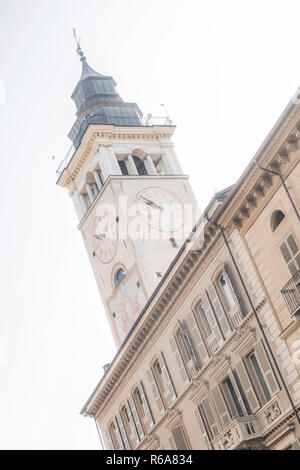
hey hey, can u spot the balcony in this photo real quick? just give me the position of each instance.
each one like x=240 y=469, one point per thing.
x=236 y=316
x=212 y=343
x=291 y=294
x=238 y=431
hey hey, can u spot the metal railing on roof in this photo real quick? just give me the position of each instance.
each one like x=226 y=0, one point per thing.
x=65 y=162
x=148 y=120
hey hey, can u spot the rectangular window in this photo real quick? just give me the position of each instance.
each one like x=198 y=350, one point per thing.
x=114 y=437
x=209 y=418
x=226 y=288
x=204 y=321
x=139 y=402
x=125 y=414
x=231 y=398
x=242 y=392
x=260 y=377
x=291 y=253
x=185 y=344
x=179 y=438
x=160 y=377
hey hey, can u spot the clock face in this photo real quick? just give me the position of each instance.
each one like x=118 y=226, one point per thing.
x=160 y=209
x=105 y=235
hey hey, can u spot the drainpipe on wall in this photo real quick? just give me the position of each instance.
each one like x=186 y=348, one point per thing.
x=273 y=172
x=256 y=316
x=94 y=416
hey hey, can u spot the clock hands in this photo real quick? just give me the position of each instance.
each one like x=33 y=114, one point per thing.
x=101 y=236
x=152 y=204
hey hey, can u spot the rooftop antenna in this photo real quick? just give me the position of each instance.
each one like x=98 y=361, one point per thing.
x=167 y=114
x=53 y=162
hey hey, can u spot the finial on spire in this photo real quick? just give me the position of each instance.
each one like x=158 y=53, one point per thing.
x=79 y=51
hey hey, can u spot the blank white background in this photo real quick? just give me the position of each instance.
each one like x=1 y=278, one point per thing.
x=225 y=70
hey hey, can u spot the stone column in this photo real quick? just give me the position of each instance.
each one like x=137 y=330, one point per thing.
x=77 y=205
x=104 y=163
x=97 y=179
x=131 y=165
x=114 y=162
x=170 y=162
x=149 y=165
x=90 y=192
x=82 y=204
x=175 y=162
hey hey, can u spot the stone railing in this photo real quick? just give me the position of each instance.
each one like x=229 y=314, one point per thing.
x=212 y=343
x=236 y=316
x=239 y=430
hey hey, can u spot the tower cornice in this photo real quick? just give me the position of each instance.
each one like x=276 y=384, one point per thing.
x=107 y=134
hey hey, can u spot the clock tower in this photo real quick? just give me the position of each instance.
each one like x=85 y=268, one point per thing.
x=134 y=204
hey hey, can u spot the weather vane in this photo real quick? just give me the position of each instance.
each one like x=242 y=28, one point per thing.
x=79 y=51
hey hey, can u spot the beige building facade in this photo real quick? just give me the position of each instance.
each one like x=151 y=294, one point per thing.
x=206 y=322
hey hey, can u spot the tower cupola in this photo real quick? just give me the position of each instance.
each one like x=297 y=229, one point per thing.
x=97 y=102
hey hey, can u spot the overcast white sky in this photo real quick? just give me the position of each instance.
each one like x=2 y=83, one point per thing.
x=225 y=70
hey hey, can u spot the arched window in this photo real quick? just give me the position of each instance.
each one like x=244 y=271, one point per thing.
x=140 y=166
x=114 y=436
x=184 y=344
x=206 y=326
x=227 y=290
x=276 y=219
x=160 y=378
x=119 y=276
x=139 y=403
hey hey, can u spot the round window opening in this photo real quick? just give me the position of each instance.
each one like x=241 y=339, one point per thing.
x=119 y=276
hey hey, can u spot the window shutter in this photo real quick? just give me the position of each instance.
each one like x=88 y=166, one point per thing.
x=134 y=432
x=136 y=418
x=179 y=362
x=155 y=391
x=294 y=249
x=119 y=435
x=292 y=244
x=123 y=432
x=196 y=336
x=285 y=252
x=188 y=342
x=150 y=421
x=179 y=438
x=171 y=397
x=240 y=392
x=221 y=405
x=212 y=319
x=210 y=417
x=230 y=285
x=247 y=386
x=291 y=254
x=108 y=440
x=266 y=368
x=172 y=443
x=202 y=426
x=219 y=311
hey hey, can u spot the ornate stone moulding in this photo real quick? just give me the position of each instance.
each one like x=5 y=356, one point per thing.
x=101 y=136
x=254 y=185
x=174 y=418
x=283 y=428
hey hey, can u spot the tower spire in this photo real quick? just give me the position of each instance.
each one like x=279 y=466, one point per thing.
x=98 y=102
